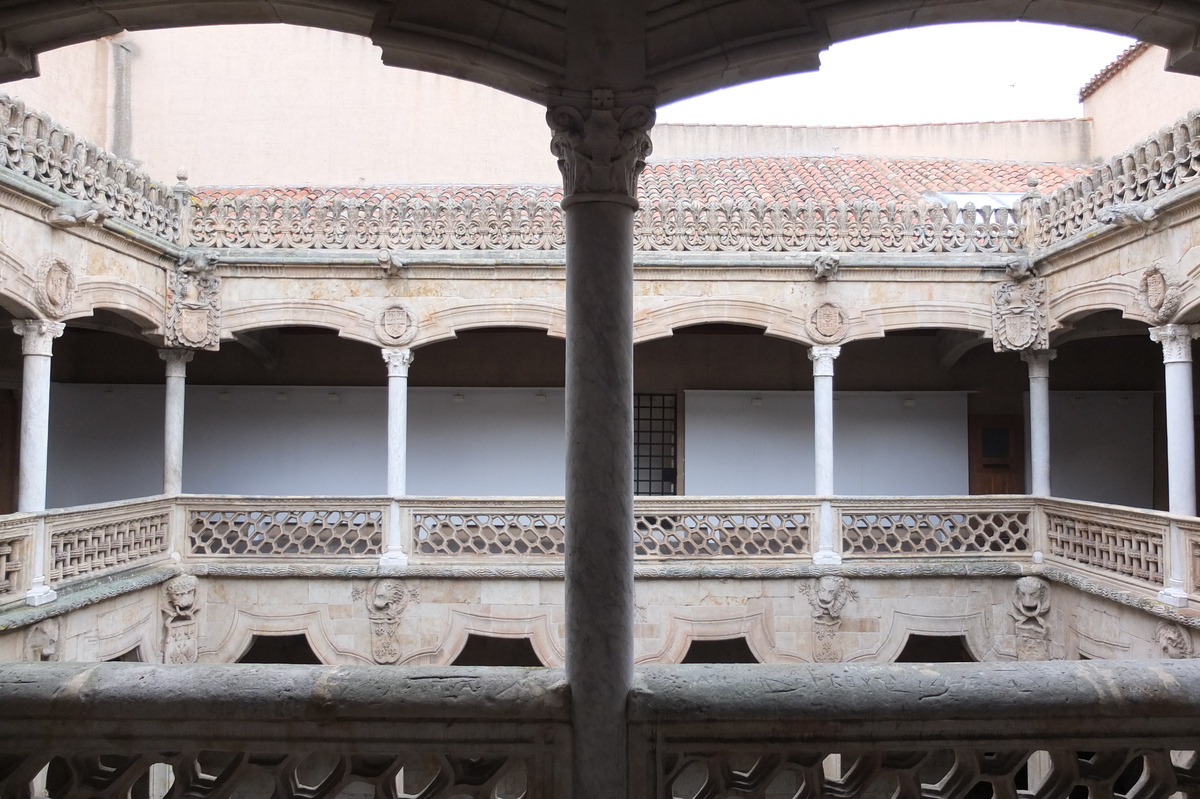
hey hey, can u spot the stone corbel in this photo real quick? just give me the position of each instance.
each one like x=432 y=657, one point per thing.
x=826 y=266
x=601 y=149
x=1021 y=269
x=391 y=262
x=1139 y=215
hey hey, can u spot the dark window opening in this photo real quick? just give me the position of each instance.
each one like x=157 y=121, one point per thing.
x=935 y=649
x=486 y=650
x=996 y=442
x=132 y=656
x=293 y=649
x=654 y=444
x=724 y=650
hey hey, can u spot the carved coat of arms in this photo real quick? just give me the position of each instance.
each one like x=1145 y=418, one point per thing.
x=1158 y=295
x=827 y=323
x=386 y=601
x=194 y=304
x=397 y=325
x=1019 y=316
x=55 y=287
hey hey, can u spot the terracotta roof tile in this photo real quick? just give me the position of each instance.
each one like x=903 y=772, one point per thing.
x=1105 y=75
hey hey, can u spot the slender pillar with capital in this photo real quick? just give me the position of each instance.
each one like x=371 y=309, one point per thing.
x=177 y=361
x=37 y=340
x=1039 y=418
x=1176 y=342
x=822 y=359
x=601 y=149
x=398 y=360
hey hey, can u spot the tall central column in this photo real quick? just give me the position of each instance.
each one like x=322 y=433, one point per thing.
x=1039 y=418
x=398 y=359
x=177 y=361
x=601 y=150
x=822 y=359
x=37 y=340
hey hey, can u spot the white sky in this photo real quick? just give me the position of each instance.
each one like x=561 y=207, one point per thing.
x=947 y=73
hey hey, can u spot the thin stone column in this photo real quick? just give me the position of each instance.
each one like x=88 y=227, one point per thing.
x=601 y=150
x=1176 y=342
x=1039 y=419
x=177 y=361
x=822 y=359
x=37 y=340
x=398 y=360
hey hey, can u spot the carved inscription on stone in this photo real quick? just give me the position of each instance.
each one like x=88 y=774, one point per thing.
x=54 y=289
x=397 y=325
x=1158 y=294
x=194 y=303
x=827 y=323
x=386 y=601
x=828 y=595
x=1030 y=611
x=1019 y=318
x=180 y=605
x=1174 y=640
x=41 y=640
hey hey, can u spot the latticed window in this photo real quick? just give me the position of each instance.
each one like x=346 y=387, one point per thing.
x=654 y=444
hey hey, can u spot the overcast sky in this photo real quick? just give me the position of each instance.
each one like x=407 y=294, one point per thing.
x=947 y=73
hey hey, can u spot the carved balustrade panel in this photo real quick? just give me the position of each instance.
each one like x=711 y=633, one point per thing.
x=899 y=531
x=304 y=530
x=506 y=532
x=37 y=148
x=16 y=538
x=722 y=534
x=1191 y=538
x=1126 y=546
x=88 y=542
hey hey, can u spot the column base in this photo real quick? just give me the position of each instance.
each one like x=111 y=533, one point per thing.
x=1174 y=597
x=826 y=557
x=393 y=558
x=40 y=594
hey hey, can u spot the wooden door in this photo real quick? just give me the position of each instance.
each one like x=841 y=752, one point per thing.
x=997 y=458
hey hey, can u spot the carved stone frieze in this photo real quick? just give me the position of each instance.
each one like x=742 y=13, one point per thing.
x=1030 y=611
x=194 y=303
x=1019 y=316
x=180 y=606
x=826 y=266
x=1174 y=640
x=396 y=325
x=41 y=640
x=828 y=323
x=386 y=601
x=602 y=149
x=1159 y=294
x=827 y=596
x=76 y=213
x=54 y=289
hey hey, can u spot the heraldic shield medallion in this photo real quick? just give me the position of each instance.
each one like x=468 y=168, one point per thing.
x=397 y=325
x=827 y=323
x=1018 y=316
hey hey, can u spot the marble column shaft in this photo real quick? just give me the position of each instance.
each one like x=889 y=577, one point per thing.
x=822 y=359
x=173 y=402
x=398 y=359
x=1176 y=341
x=1039 y=419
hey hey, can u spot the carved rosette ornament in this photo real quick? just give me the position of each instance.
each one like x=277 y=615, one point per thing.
x=827 y=596
x=396 y=325
x=828 y=323
x=1030 y=610
x=386 y=601
x=1174 y=641
x=54 y=290
x=602 y=149
x=180 y=605
x=1019 y=317
x=194 y=303
x=1159 y=294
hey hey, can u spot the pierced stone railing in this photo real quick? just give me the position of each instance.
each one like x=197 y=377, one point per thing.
x=1162 y=163
x=52 y=156
x=952 y=731
x=106 y=537
x=892 y=527
x=16 y=545
x=283 y=528
x=530 y=219
x=1115 y=541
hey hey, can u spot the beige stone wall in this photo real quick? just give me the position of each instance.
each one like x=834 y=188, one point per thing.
x=1137 y=101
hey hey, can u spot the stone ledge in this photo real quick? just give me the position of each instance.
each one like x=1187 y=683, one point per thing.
x=87 y=593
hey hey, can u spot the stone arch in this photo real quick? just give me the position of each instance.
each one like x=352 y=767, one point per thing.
x=16 y=285
x=973 y=627
x=688 y=46
x=138 y=304
x=1114 y=294
x=752 y=622
x=775 y=319
x=969 y=316
x=314 y=624
x=462 y=623
x=444 y=322
x=348 y=321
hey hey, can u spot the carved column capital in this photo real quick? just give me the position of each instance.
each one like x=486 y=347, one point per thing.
x=1176 y=341
x=37 y=335
x=601 y=150
x=398 y=359
x=822 y=359
x=1039 y=362
x=177 y=361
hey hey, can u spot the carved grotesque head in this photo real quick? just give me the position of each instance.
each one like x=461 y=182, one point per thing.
x=1031 y=597
x=388 y=597
x=1174 y=640
x=41 y=641
x=828 y=596
x=180 y=595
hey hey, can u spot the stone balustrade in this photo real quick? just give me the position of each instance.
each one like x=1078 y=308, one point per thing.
x=1046 y=729
x=1125 y=549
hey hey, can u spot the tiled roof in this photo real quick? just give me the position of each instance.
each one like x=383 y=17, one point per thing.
x=770 y=179
x=1105 y=75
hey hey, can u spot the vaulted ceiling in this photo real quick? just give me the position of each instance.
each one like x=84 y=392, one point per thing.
x=551 y=50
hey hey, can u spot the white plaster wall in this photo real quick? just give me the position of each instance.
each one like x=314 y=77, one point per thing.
x=73 y=88
x=494 y=442
x=882 y=446
x=1116 y=466
x=1159 y=97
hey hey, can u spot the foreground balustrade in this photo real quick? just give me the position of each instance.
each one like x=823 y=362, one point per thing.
x=1123 y=549
x=1051 y=730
